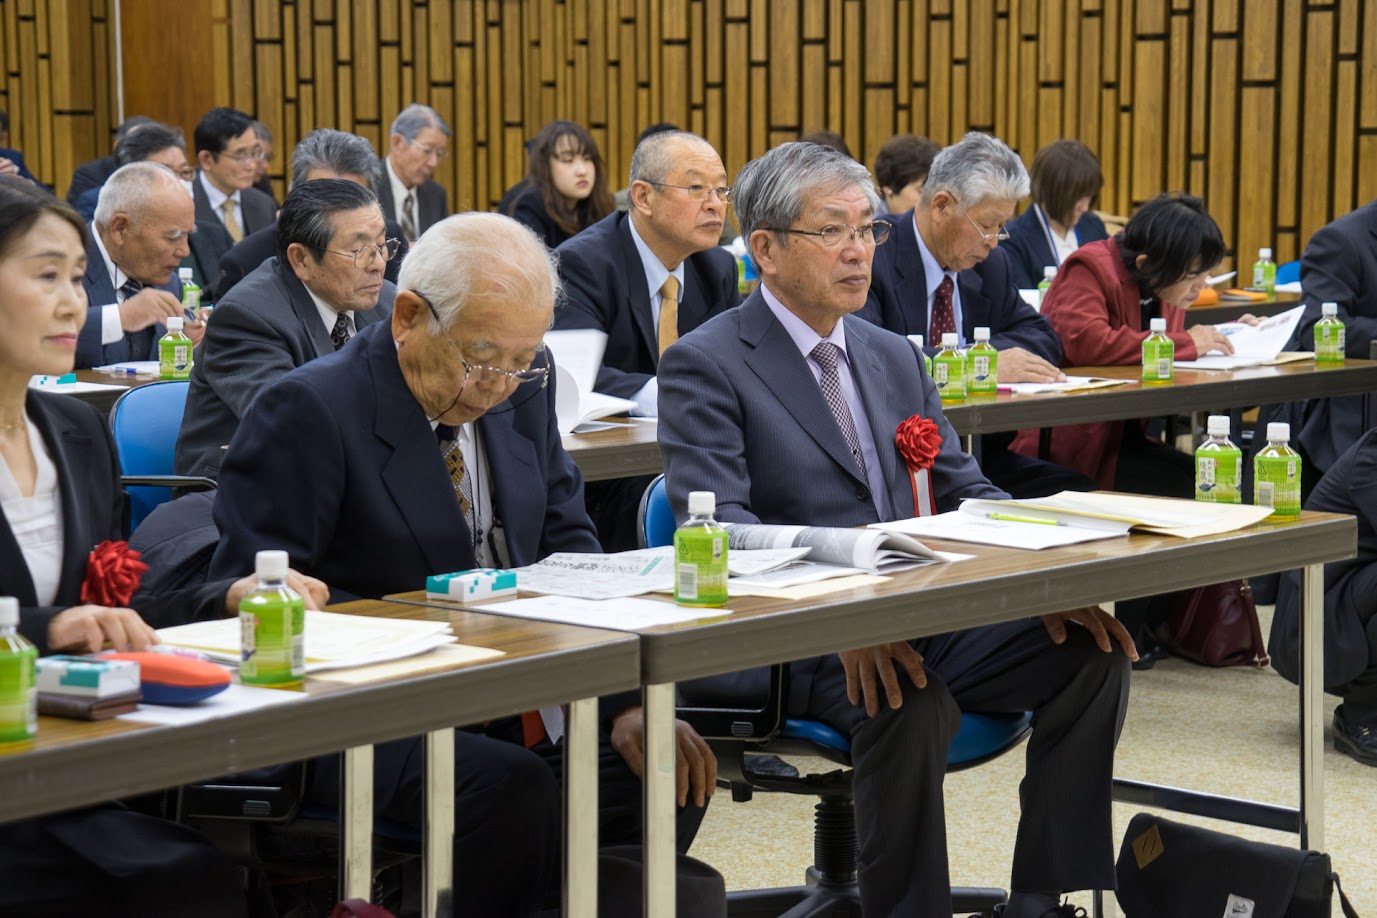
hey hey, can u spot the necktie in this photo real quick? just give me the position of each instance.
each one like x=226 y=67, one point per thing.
x=943 y=316
x=825 y=356
x=231 y=224
x=339 y=335
x=458 y=472
x=129 y=288
x=409 y=217
x=669 y=312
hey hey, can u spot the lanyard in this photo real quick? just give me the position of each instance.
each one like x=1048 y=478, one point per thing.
x=1051 y=238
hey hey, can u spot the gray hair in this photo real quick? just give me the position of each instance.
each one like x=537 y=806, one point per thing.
x=769 y=191
x=262 y=132
x=976 y=167
x=338 y=151
x=415 y=118
x=652 y=159
x=478 y=251
x=128 y=190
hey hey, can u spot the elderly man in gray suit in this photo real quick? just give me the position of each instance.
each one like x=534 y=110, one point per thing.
x=787 y=408
x=325 y=284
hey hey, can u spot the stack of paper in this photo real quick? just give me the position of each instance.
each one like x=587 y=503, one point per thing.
x=578 y=357
x=633 y=573
x=1254 y=345
x=333 y=641
x=1072 y=384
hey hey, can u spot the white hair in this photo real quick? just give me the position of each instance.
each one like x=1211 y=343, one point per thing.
x=130 y=189
x=974 y=168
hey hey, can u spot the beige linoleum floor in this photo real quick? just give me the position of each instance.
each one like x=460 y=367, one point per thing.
x=1225 y=731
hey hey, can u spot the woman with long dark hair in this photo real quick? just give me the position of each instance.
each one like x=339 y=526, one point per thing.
x=566 y=184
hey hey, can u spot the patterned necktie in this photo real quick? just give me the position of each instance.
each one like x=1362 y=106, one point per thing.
x=231 y=224
x=339 y=335
x=129 y=288
x=943 y=316
x=825 y=356
x=458 y=472
x=669 y=312
x=409 y=217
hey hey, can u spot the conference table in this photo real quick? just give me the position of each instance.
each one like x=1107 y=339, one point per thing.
x=79 y=763
x=997 y=585
x=631 y=449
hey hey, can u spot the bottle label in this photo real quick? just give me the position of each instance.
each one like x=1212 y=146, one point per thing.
x=18 y=694
x=191 y=298
x=272 y=640
x=1157 y=359
x=700 y=566
x=980 y=368
x=1217 y=474
x=1259 y=275
x=1278 y=484
x=950 y=375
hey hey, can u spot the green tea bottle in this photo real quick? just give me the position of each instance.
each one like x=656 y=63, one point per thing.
x=982 y=364
x=1329 y=335
x=917 y=342
x=174 y=351
x=1265 y=272
x=1158 y=354
x=700 y=555
x=18 y=678
x=1218 y=465
x=272 y=627
x=191 y=291
x=1048 y=274
x=1277 y=474
x=949 y=370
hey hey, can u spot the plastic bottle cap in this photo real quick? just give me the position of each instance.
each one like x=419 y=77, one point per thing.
x=1329 y=309
x=270 y=565
x=1049 y=272
x=982 y=333
x=1279 y=430
x=174 y=323
x=1218 y=425
x=184 y=273
x=702 y=502
x=949 y=339
x=1158 y=325
x=916 y=340
x=9 y=612
x=1264 y=254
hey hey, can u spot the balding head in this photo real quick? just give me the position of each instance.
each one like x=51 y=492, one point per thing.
x=676 y=196
x=144 y=217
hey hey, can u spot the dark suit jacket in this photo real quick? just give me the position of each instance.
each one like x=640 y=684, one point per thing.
x=898 y=298
x=258 y=247
x=1030 y=252
x=529 y=210
x=209 y=244
x=257 y=208
x=93 y=510
x=100 y=291
x=431 y=202
x=17 y=158
x=605 y=288
x=337 y=465
x=263 y=329
x=90 y=174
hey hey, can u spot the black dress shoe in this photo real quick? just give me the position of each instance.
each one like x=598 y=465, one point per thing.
x=1150 y=650
x=1065 y=910
x=1358 y=741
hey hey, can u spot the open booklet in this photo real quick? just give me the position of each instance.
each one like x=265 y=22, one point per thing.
x=578 y=357
x=1254 y=345
x=1072 y=384
x=865 y=549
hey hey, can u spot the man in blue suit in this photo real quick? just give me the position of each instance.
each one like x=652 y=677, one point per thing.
x=429 y=444
x=138 y=240
x=941 y=271
x=786 y=408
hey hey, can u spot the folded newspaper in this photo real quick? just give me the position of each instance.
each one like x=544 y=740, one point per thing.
x=866 y=549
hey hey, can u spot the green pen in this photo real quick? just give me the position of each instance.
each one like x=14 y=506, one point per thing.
x=1009 y=518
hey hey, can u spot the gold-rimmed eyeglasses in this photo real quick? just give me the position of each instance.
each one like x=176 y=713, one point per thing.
x=484 y=374
x=244 y=156
x=998 y=235
x=427 y=149
x=836 y=235
x=364 y=255
x=698 y=192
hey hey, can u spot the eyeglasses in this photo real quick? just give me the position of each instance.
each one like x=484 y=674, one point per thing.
x=186 y=173
x=836 y=235
x=244 y=156
x=363 y=257
x=489 y=375
x=437 y=152
x=998 y=236
x=697 y=192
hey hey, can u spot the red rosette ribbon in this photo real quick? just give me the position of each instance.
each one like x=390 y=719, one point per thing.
x=113 y=574
x=919 y=442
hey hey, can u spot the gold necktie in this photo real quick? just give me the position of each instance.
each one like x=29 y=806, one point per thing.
x=231 y=225
x=669 y=312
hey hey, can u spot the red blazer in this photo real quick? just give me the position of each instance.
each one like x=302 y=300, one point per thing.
x=1093 y=306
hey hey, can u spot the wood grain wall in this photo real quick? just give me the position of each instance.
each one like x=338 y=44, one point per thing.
x=1267 y=108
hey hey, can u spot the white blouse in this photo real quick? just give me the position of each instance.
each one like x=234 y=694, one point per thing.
x=36 y=521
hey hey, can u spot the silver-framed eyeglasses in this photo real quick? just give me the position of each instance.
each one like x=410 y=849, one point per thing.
x=364 y=255
x=484 y=374
x=836 y=235
x=427 y=149
x=244 y=156
x=998 y=235
x=698 y=192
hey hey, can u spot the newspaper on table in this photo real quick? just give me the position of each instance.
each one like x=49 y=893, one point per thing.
x=866 y=549
x=632 y=573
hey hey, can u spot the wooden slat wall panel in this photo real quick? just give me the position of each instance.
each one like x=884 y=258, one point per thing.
x=1267 y=108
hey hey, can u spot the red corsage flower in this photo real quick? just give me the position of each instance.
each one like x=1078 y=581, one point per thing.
x=113 y=574
x=919 y=442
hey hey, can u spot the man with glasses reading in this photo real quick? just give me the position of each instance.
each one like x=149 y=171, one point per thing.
x=787 y=409
x=645 y=277
x=417 y=144
x=324 y=285
x=227 y=154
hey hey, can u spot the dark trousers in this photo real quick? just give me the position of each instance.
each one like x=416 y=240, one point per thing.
x=614 y=507
x=1077 y=694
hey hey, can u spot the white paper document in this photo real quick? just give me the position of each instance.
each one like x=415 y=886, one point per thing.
x=233 y=700
x=578 y=357
x=960 y=526
x=1254 y=345
x=1071 y=385
x=617 y=614
x=1121 y=512
x=599 y=576
x=867 y=549
x=51 y=384
x=137 y=367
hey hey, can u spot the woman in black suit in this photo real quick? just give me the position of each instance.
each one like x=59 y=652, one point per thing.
x=566 y=184
x=1066 y=181
x=60 y=498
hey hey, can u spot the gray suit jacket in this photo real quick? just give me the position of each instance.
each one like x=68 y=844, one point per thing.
x=263 y=328
x=431 y=201
x=259 y=209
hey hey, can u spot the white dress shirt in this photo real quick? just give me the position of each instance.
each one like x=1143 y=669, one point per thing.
x=1062 y=246
x=217 y=202
x=932 y=274
x=399 y=193
x=647 y=398
x=111 y=328
x=328 y=314
x=36 y=520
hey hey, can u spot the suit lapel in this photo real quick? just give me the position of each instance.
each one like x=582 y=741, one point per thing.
x=871 y=379
x=693 y=302
x=305 y=310
x=975 y=306
x=203 y=209
x=69 y=450
x=911 y=290
x=515 y=468
x=637 y=291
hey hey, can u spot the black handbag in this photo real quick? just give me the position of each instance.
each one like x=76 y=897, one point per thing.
x=1169 y=869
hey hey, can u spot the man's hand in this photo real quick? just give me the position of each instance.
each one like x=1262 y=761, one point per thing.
x=864 y=664
x=148 y=307
x=695 y=767
x=1208 y=338
x=1018 y=365
x=1105 y=628
x=195 y=331
x=87 y=629
x=314 y=592
x=8 y=167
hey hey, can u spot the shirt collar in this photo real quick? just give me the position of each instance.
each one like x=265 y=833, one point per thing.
x=655 y=270
x=803 y=336
x=328 y=313
x=214 y=195
x=117 y=275
x=399 y=189
x=932 y=271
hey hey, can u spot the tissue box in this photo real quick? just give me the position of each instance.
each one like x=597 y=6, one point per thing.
x=67 y=675
x=467 y=586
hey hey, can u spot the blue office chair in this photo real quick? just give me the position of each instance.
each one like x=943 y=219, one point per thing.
x=1288 y=272
x=145 y=421
x=749 y=741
